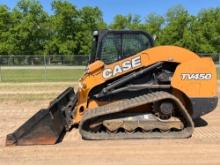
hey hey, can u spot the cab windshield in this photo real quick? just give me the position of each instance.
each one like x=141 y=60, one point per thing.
x=116 y=46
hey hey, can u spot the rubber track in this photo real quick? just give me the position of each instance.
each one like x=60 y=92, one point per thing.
x=126 y=104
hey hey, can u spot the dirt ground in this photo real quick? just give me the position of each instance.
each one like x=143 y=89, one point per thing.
x=20 y=101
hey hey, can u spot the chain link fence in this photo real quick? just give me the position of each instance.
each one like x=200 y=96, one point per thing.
x=28 y=68
x=36 y=60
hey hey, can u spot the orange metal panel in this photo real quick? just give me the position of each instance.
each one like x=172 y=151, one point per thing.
x=189 y=62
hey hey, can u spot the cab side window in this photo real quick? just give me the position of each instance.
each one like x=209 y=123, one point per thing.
x=133 y=44
x=111 y=48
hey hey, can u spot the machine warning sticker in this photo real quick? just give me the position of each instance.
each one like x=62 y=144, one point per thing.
x=196 y=76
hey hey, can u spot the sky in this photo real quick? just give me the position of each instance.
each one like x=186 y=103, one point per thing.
x=140 y=7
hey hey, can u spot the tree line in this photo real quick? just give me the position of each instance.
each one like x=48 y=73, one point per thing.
x=28 y=29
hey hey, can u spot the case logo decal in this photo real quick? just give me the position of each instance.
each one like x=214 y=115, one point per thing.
x=125 y=66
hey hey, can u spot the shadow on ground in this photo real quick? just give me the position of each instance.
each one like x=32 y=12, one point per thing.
x=199 y=122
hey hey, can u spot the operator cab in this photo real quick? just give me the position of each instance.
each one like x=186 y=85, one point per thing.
x=110 y=46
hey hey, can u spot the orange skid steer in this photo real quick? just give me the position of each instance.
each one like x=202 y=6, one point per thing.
x=130 y=89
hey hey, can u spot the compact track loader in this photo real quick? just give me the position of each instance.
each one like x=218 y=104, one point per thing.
x=130 y=89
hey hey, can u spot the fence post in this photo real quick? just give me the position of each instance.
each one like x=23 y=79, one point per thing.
x=45 y=68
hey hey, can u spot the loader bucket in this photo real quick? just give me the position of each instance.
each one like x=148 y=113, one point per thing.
x=47 y=125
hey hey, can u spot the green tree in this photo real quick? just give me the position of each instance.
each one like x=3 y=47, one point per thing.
x=28 y=29
x=153 y=24
x=91 y=19
x=5 y=25
x=130 y=21
x=28 y=32
x=208 y=23
x=177 y=23
x=71 y=28
x=63 y=27
x=119 y=22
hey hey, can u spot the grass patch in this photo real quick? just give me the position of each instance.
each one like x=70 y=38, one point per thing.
x=36 y=75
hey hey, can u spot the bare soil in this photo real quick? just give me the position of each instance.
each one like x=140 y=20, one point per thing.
x=202 y=148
